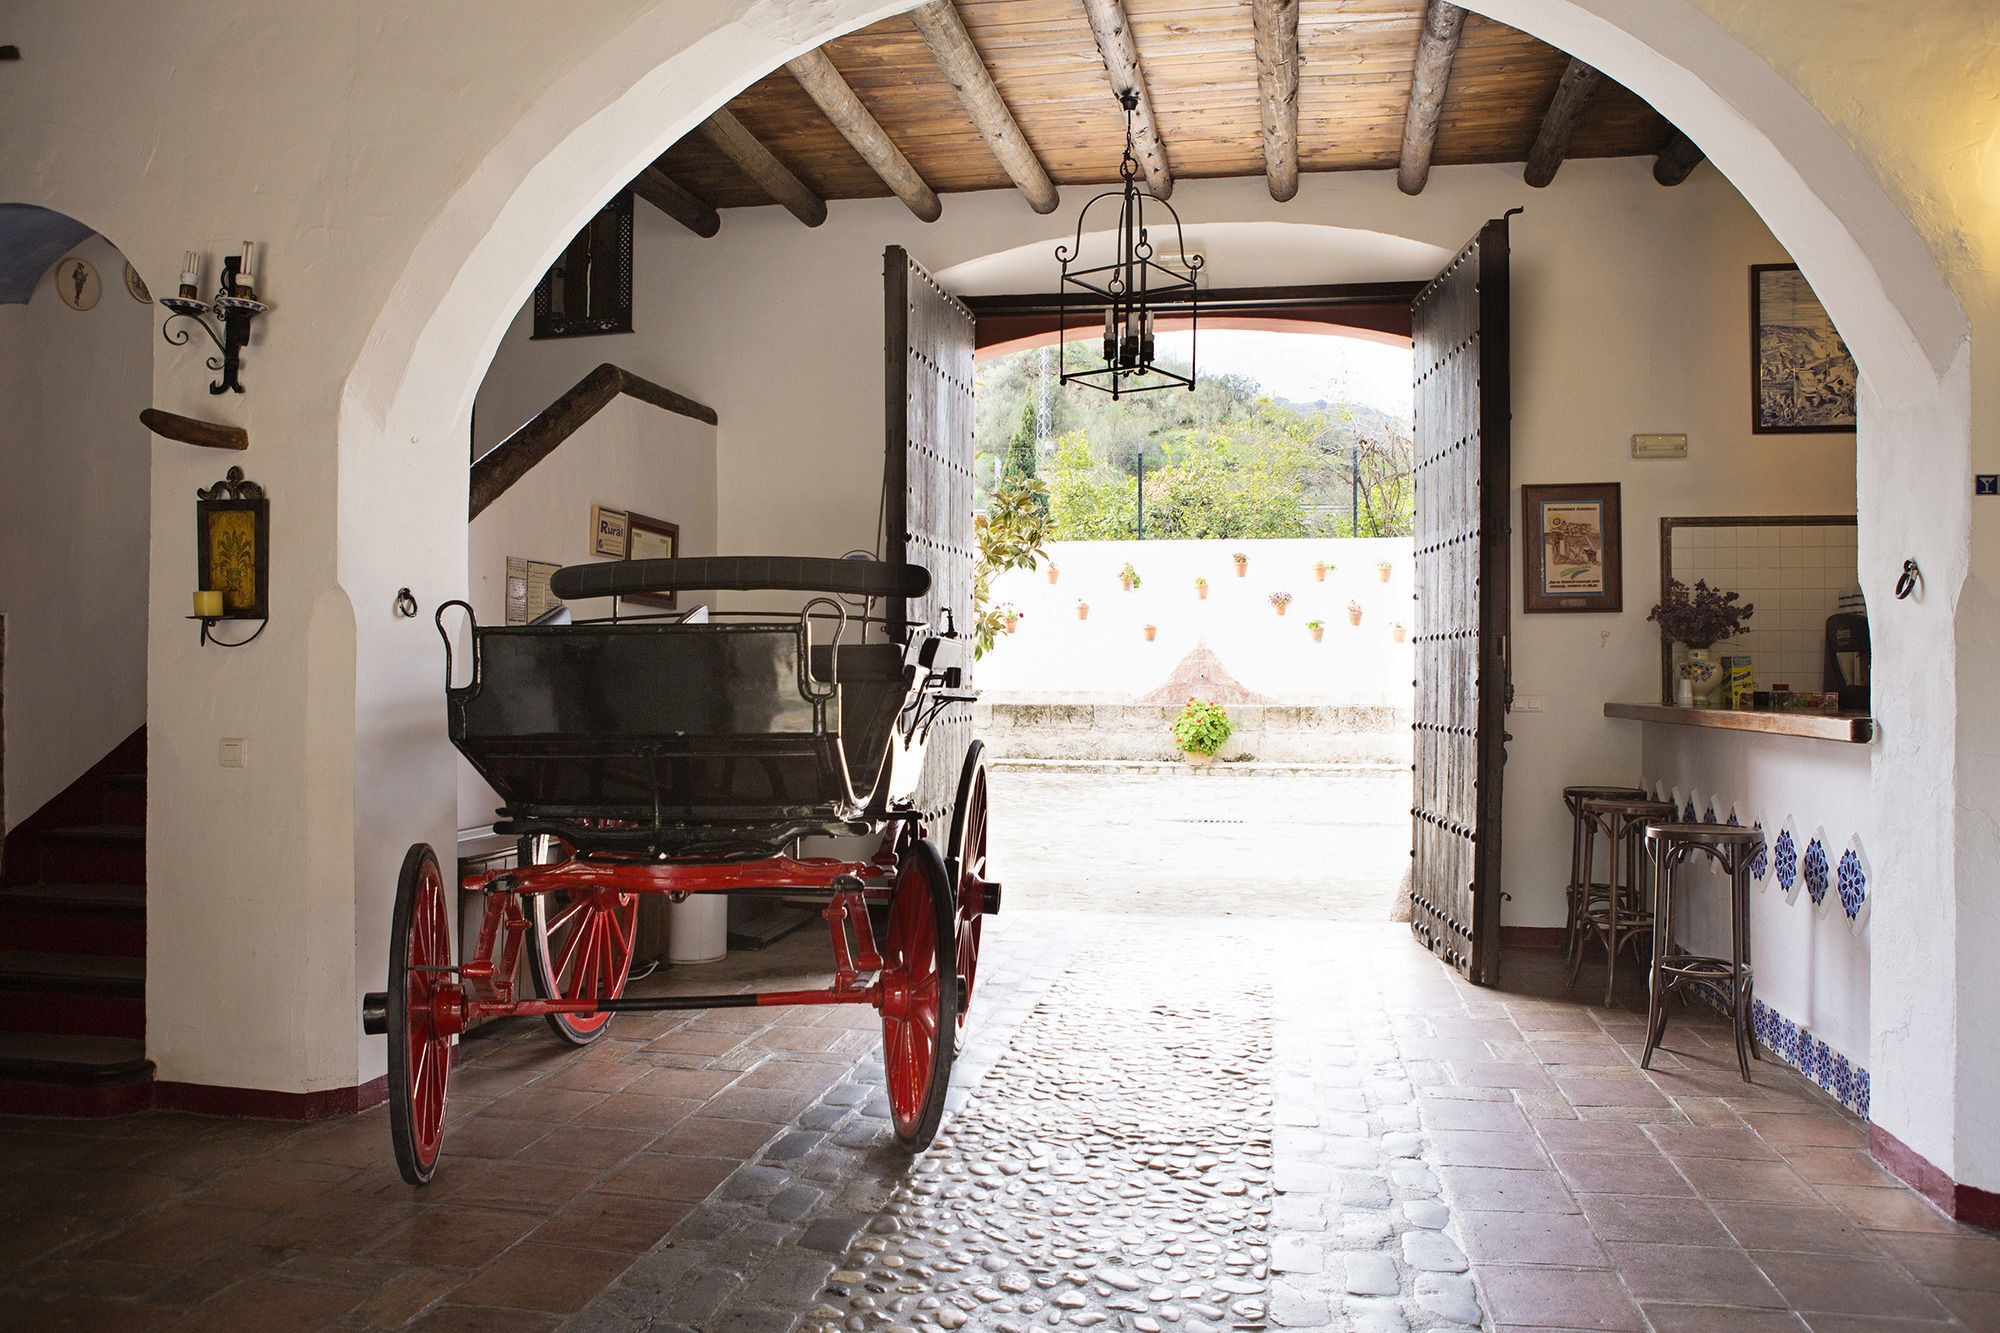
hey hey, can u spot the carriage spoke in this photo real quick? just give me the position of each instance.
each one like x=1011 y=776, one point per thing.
x=564 y=918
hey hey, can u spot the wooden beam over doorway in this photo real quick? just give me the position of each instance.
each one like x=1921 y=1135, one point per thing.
x=832 y=94
x=1277 y=47
x=1678 y=156
x=1579 y=83
x=665 y=193
x=1443 y=25
x=1121 y=62
x=951 y=46
x=773 y=177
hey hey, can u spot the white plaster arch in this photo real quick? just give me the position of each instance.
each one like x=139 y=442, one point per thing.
x=405 y=401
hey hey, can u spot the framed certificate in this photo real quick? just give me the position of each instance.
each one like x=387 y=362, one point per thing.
x=1571 y=553
x=652 y=539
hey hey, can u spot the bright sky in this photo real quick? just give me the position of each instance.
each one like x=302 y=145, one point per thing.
x=1305 y=367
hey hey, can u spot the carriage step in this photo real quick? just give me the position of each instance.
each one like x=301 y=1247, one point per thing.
x=94 y=853
x=47 y=1074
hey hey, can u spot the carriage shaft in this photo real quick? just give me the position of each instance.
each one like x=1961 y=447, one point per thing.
x=822 y=874
x=645 y=1004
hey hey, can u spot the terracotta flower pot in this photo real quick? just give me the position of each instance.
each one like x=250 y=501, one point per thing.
x=1242 y=568
x=1354 y=617
x=1083 y=613
x=1124 y=583
x=1150 y=631
x=1400 y=633
x=1383 y=572
x=1201 y=591
x=1319 y=573
x=1318 y=634
x=1196 y=760
x=1053 y=571
x=1281 y=607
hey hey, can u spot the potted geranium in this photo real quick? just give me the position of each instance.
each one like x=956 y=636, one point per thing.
x=1354 y=613
x=1242 y=563
x=1201 y=731
x=1201 y=589
x=1009 y=615
x=1128 y=577
x=1281 y=600
x=1698 y=618
x=1318 y=628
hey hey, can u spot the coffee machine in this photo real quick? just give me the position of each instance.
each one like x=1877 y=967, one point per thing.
x=1846 y=669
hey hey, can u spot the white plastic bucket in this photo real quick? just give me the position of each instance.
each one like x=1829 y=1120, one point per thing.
x=698 y=928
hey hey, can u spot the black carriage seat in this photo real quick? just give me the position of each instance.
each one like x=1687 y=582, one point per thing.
x=660 y=724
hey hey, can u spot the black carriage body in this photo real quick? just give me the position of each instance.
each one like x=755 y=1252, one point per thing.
x=680 y=739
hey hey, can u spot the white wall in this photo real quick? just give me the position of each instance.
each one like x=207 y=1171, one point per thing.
x=631 y=455
x=74 y=476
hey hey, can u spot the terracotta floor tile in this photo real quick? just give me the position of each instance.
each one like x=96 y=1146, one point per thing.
x=1855 y=1323
x=1496 y=1189
x=486 y=1137
x=592 y=1076
x=586 y=1146
x=99 y=1314
x=1559 y=1298
x=519 y=1184
x=1592 y=1136
x=1715 y=1319
x=775 y=1106
x=1814 y=1129
x=794 y=1076
x=1622 y=1217
x=1693 y=1274
x=1459 y=1147
x=1531 y=1238
x=1498 y=1074
x=454 y=1236
x=1727 y=1178
x=1844 y=1284
x=1496 y=1117
x=1583 y=1091
x=544 y=1277
x=545 y=1104
x=478 y=1319
x=1971 y=1260
x=265 y=1303
x=177 y=1234
x=704 y=1136
x=612 y=1222
x=1711 y=1141
x=1975 y=1309
x=668 y=1176
x=1888 y=1210
x=341 y=1223
x=695 y=1084
x=698 y=1043
x=1584 y=1052
x=94 y=1277
x=626 y=1111
x=1839 y=1166
x=395 y=1302
x=1813 y=1228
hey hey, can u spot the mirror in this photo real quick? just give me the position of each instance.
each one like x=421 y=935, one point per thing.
x=1798 y=571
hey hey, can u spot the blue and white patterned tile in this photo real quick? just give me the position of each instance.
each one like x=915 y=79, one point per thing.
x=1785 y=861
x=1817 y=871
x=1760 y=863
x=1852 y=877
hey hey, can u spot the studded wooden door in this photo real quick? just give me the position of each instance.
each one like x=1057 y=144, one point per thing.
x=1459 y=324
x=928 y=514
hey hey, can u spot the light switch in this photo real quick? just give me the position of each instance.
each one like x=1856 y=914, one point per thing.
x=235 y=752
x=1527 y=703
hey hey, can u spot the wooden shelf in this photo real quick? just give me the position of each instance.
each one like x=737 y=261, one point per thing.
x=1854 y=728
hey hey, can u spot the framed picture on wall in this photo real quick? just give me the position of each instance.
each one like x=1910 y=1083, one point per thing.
x=1802 y=377
x=1572 y=556
x=607 y=532
x=651 y=539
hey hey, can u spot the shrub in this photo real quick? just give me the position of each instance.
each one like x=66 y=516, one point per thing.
x=1202 y=727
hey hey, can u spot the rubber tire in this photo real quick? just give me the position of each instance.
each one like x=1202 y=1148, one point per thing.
x=921 y=921
x=416 y=1134
x=970 y=907
x=577 y=1031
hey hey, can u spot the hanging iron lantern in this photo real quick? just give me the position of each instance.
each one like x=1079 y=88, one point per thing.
x=1131 y=288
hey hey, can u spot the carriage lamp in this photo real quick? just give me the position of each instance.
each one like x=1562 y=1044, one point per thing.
x=235 y=305
x=1131 y=285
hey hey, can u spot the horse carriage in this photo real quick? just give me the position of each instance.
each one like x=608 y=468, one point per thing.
x=701 y=753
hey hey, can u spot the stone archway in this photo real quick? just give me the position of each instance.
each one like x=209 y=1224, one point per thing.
x=445 y=313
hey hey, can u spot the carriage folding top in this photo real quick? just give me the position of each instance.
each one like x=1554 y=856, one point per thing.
x=730 y=737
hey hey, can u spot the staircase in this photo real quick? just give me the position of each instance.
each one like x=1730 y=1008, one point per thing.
x=73 y=948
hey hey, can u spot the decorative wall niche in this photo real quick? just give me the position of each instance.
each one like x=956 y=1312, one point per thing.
x=589 y=289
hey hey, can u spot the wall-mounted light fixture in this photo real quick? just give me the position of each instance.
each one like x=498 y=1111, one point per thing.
x=232 y=521
x=235 y=304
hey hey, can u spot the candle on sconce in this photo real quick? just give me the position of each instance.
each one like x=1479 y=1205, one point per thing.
x=191 y=275
x=246 y=272
x=208 y=604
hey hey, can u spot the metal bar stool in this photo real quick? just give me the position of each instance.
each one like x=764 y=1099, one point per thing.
x=1668 y=847
x=1581 y=829
x=1618 y=909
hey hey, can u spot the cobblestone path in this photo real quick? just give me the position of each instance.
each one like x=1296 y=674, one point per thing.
x=1113 y=1170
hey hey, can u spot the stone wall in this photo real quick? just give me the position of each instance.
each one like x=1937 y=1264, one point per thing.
x=1270 y=733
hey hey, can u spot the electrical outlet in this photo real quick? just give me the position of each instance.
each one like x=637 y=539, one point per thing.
x=234 y=752
x=1527 y=703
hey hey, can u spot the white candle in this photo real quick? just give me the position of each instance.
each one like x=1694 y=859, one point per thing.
x=246 y=272
x=191 y=271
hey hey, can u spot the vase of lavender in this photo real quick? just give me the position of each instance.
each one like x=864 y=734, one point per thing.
x=1698 y=618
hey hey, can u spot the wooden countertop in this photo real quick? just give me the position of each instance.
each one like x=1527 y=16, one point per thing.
x=1854 y=728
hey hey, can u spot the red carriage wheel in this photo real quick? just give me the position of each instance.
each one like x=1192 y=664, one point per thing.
x=919 y=995
x=582 y=950
x=421 y=987
x=968 y=866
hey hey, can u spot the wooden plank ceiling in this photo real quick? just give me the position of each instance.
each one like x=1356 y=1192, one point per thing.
x=1196 y=57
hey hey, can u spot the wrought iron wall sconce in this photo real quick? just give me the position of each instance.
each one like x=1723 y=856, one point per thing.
x=232 y=556
x=235 y=304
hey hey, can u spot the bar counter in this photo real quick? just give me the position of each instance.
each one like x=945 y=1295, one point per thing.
x=1853 y=728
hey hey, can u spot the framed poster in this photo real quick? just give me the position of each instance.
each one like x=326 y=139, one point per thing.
x=1802 y=377
x=1571 y=553
x=607 y=532
x=233 y=545
x=528 y=595
x=652 y=539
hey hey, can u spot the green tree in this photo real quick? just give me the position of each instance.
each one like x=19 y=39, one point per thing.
x=1021 y=446
x=1088 y=499
x=1010 y=535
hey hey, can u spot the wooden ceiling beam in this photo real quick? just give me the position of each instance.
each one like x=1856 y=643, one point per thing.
x=951 y=46
x=1277 y=47
x=1678 y=156
x=1121 y=62
x=1443 y=26
x=663 y=192
x=773 y=177
x=1579 y=83
x=832 y=94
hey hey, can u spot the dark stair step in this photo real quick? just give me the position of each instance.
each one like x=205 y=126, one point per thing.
x=105 y=919
x=125 y=798
x=94 y=854
x=78 y=994
x=51 y=1074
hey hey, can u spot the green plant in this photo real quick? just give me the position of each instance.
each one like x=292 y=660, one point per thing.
x=1315 y=624
x=1701 y=617
x=1239 y=557
x=1202 y=727
x=1200 y=582
x=1281 y=600
x=1010 y=535
x=1129 y=575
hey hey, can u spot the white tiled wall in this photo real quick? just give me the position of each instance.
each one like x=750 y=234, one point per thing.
x=1793 y=574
